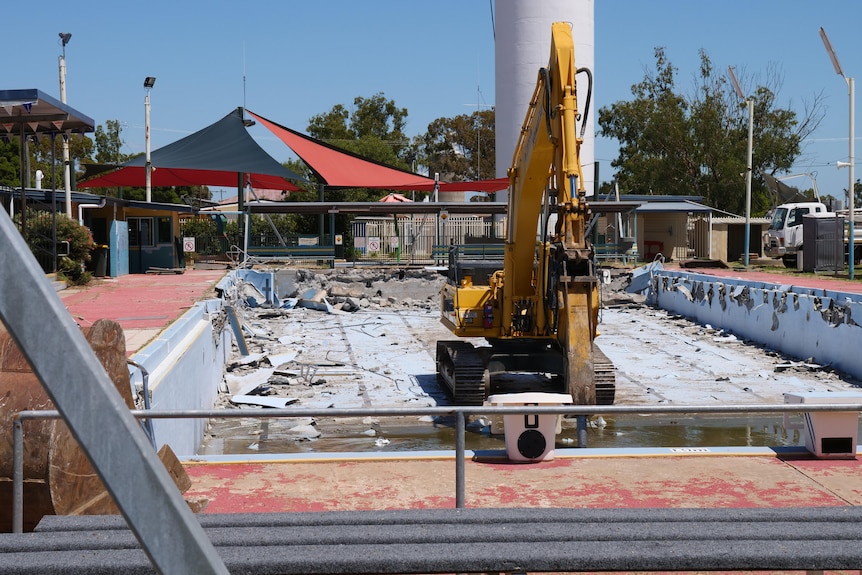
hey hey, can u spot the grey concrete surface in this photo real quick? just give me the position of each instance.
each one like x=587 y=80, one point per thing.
x=382 y=355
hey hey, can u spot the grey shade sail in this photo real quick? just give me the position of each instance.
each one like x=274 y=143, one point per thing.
x=206 y=158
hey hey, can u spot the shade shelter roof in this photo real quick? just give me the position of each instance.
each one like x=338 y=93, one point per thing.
x=213 y=156
x=36 y=112
x=164 y=177
x=342 y=169
x=392 y=197
x=339 y=168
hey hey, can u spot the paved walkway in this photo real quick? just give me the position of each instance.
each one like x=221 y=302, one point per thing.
x=821 y=280
x=143 y=304
x=602 y=478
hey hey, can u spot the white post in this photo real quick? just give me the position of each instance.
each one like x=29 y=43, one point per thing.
x=748 y=170
x=67 y=175
x=851 y=88
x=851 y=161
x=148 y=167
x=749 y=102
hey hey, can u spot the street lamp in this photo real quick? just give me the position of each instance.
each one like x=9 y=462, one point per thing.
x=851 y=161
x=67 y=176
x=750 y=103
x=149 y=82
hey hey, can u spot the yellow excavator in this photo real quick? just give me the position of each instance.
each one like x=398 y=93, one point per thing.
x=537 y=314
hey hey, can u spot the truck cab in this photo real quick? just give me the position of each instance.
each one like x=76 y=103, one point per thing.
x=783 y=238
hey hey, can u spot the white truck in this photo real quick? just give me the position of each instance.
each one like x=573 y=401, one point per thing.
x=783 y=238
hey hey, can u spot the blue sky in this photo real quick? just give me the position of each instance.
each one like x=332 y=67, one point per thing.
x=289 y=60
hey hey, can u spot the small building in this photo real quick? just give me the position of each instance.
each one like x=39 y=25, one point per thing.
x=679 y=228
x=139 y=235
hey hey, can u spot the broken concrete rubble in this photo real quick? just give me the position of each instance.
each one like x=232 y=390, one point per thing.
x=381 y=355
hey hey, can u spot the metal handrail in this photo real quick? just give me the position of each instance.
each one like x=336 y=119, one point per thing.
x=460 y=413
x=147 y=424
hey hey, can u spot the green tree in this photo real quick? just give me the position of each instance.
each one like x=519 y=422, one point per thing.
x=462 y=148
x=374 y=130
x=109 y=142
x=50 y=161
x=677 y=144
x=10 y=174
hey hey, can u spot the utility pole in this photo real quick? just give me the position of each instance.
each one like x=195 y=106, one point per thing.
x=67 y=172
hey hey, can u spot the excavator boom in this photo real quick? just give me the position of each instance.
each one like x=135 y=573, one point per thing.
x=538 y=311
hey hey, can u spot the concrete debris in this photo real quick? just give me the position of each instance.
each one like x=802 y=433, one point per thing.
x=251 y=360
x=263 y=401
x=379 y=353
x=245 y=384
x=305 y=432
x=359 y=289
x=799 y=366
x=724 y=337
x=251 y=295
x=277 y=360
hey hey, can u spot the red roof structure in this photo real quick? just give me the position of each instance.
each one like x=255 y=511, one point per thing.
x=392 y=197
x=342 y=169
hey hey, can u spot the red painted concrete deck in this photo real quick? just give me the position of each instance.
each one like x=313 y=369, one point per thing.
x=587 y=481
x=822 y=280
x=143 y=304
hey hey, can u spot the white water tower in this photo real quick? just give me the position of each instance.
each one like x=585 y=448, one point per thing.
x=522 y=46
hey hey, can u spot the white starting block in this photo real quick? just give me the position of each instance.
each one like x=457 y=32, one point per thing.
x=530 y=437
x=828 y=434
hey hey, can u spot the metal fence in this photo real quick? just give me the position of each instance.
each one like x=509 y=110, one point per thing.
x=405 y=240
x=460 y=413
x=412 y=239
x=42 y=235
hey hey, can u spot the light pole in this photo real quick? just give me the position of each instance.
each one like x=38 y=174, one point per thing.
x=750 y=103
x=149 y=81
x=851 y=161
x=67 y=176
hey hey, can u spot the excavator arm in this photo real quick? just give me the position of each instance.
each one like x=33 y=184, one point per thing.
x=539 y=312
x=555 y=275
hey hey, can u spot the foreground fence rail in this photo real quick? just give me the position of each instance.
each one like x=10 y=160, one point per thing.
x=460 y=414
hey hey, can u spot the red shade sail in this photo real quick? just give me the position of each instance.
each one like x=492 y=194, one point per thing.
x=134 y=176
x=341 y=169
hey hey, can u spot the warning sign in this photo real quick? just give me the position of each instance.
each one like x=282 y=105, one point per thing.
x=188 y=244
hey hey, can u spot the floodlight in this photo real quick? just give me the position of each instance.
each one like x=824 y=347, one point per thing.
x=735 y=83
x=832 y=55
x=65 y=37
x=149 y=81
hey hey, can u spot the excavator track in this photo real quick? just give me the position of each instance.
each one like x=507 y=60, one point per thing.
x=461 y=368
x=605 y=377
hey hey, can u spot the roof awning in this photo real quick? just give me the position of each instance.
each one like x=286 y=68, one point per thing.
x=670 y=206
x=376 y=208
x=35 y=112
